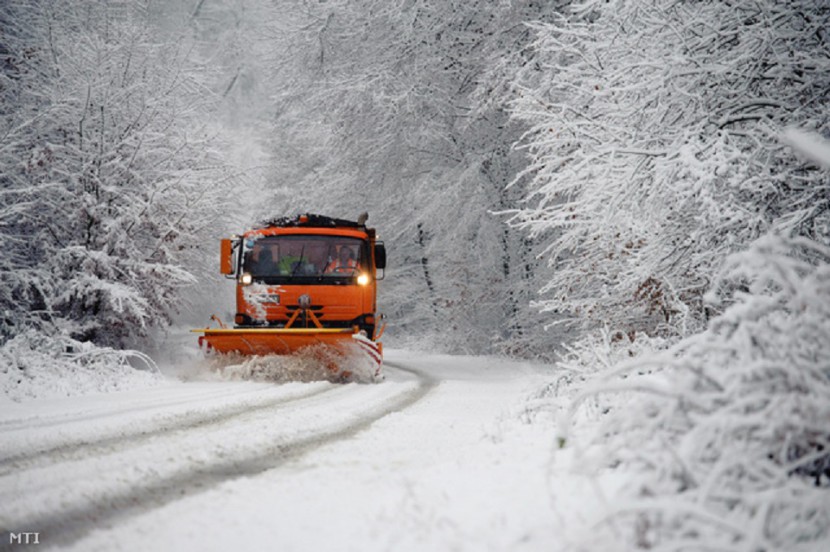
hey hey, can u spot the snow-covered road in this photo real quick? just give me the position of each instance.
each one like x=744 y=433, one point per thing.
x=440 y=456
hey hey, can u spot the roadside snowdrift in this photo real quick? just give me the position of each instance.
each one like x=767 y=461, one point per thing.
x=35 y=366
x=722 y=439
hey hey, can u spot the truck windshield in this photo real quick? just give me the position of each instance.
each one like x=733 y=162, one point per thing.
x=304 y=259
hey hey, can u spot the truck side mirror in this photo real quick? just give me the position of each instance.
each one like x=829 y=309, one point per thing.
x=380 y=256
x=226 y=257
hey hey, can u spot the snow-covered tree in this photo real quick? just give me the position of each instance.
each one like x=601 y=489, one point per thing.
x=654 y=149
x=396 y=108
x=676 y=208
x=108 y=176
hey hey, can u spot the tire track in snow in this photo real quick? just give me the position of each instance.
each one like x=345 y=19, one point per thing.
x=74 y=448
x=52 y=421
x=71 y=522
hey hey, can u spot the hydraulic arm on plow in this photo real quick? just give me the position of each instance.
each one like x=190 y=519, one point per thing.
x=309 y=281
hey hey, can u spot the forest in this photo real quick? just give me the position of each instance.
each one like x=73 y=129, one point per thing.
x=634 y=191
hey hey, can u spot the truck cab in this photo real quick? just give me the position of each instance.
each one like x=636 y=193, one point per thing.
x=306 y=272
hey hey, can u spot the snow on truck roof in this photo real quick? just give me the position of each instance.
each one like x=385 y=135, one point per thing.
x=315 y=221
x=313 y=224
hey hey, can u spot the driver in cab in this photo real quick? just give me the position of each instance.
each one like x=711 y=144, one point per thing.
x=344 y=263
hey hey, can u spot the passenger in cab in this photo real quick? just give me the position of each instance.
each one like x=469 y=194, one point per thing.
x=291 y=258
x=265 y=264
x=344 y=263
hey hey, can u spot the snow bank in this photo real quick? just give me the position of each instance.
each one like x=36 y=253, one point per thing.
x=35 y=366
x=723 y=437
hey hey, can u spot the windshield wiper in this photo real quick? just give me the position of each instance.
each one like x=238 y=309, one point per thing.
x=300 y=262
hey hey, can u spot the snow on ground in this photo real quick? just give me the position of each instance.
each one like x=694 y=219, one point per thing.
x=33 y=366
x=449 y=453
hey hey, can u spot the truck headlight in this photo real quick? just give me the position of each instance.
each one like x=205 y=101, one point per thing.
x=363 y=279
x=246 y=278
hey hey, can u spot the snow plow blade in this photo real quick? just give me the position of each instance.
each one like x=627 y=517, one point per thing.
x=288 y=341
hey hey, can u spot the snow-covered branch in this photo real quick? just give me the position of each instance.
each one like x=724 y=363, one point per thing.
x=738 y=429
x=654 y=149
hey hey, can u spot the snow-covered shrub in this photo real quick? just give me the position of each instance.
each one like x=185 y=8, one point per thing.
x=723 y=438
x=578 y=362
x=36 y=366
x=654 y=148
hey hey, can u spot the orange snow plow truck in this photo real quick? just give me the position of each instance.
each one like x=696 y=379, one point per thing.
x=308 y=281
